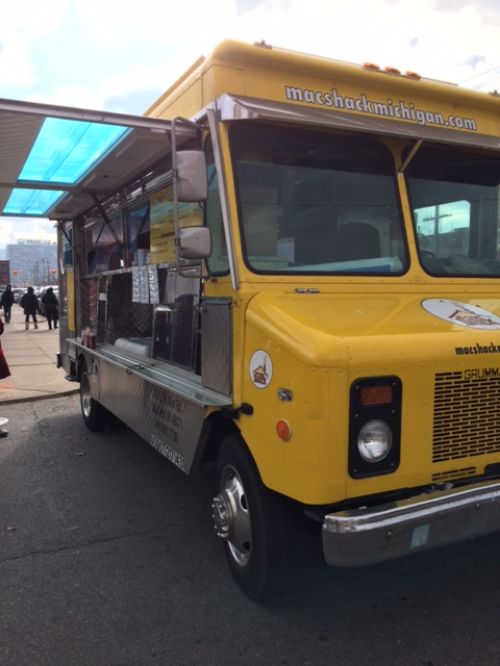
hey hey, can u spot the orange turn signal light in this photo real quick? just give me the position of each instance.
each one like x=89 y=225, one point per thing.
x=375 y=395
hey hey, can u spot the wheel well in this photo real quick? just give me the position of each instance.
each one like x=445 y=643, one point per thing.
x=216 y=428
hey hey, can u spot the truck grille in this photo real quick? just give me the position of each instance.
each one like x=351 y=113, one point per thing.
x=466 y=415
x=450 y=474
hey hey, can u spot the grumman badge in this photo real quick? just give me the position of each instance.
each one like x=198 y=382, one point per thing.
x=261 y=369
x=463 y=314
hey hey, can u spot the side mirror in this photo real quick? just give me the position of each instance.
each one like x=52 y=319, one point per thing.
x=191 y=175
x=195 y=242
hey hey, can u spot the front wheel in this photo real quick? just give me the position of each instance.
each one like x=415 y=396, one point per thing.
x=252 y=521
x=95 y=416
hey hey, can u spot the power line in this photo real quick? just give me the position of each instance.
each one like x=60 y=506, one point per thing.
x=475 y=76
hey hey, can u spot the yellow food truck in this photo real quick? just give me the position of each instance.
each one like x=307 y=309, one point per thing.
x=290 y=266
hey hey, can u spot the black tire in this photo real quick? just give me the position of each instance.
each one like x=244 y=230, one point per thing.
x=253 y=522
x=95 y=416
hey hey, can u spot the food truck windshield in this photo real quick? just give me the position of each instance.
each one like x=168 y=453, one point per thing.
x=455 y=201
x=317 y=202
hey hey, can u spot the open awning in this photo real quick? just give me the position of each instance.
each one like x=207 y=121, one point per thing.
x=57 y=162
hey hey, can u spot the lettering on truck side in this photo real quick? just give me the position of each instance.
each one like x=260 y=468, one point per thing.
x=399 y=110
x=168 y=452
x=481 y=373
x=478 y=349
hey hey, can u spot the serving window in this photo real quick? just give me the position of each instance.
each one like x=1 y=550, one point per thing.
x=103 y=243
x=132 y=296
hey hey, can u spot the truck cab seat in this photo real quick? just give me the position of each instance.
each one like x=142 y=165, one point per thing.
x=356 y=240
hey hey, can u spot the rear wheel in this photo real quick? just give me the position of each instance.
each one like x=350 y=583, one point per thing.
x=95 y=416
x=252 y=521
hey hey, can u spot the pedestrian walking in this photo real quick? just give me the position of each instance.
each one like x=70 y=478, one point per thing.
x=30 y=305
x=51 y=307
x=6 y=302
x=4 y=372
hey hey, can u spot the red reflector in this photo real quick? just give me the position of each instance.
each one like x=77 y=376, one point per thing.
x=375 y=395
x=284 y=430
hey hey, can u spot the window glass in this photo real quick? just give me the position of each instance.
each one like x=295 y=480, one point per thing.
x=67 y=240
x=138 y=219
x=218 y=261
x=316 y=202
x=104 y=250
x=129 y=324
x=444 y=229
x=177 y=320
x=455 y=201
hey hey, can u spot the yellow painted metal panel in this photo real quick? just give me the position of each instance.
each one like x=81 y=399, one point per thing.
x=315 y=347
x=310 y=81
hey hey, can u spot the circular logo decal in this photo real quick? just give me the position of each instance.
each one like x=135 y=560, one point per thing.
x=261 y=369
x=462 y=314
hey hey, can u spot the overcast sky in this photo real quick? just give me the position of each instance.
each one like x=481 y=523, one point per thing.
x=108 y=54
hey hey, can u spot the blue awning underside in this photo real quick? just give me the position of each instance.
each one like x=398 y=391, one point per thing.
x=57 y=162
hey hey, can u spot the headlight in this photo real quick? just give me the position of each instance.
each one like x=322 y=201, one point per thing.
x=374 y=441
x=374 y=426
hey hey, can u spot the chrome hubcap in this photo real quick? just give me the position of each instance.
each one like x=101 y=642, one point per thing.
x=231 y=516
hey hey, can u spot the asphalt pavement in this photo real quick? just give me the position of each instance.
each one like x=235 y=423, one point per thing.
x=31 y=355
x=108 y=558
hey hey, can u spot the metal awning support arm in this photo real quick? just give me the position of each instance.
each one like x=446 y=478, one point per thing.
x=36 y=185
x=106 y=221
x=173 y=143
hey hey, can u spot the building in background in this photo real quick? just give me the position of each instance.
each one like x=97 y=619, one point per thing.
x=4 y=274
x=32 y=262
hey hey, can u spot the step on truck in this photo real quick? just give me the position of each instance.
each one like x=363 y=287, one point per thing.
x=289 y=267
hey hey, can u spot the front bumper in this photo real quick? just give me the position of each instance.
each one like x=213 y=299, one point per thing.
x=370 y=535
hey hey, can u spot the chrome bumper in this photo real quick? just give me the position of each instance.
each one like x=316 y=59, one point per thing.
x=365 y=536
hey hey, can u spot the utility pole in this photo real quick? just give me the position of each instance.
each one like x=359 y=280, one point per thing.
x=45 y=262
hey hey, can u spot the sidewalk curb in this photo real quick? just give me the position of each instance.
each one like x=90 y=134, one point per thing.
x=36 y=398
